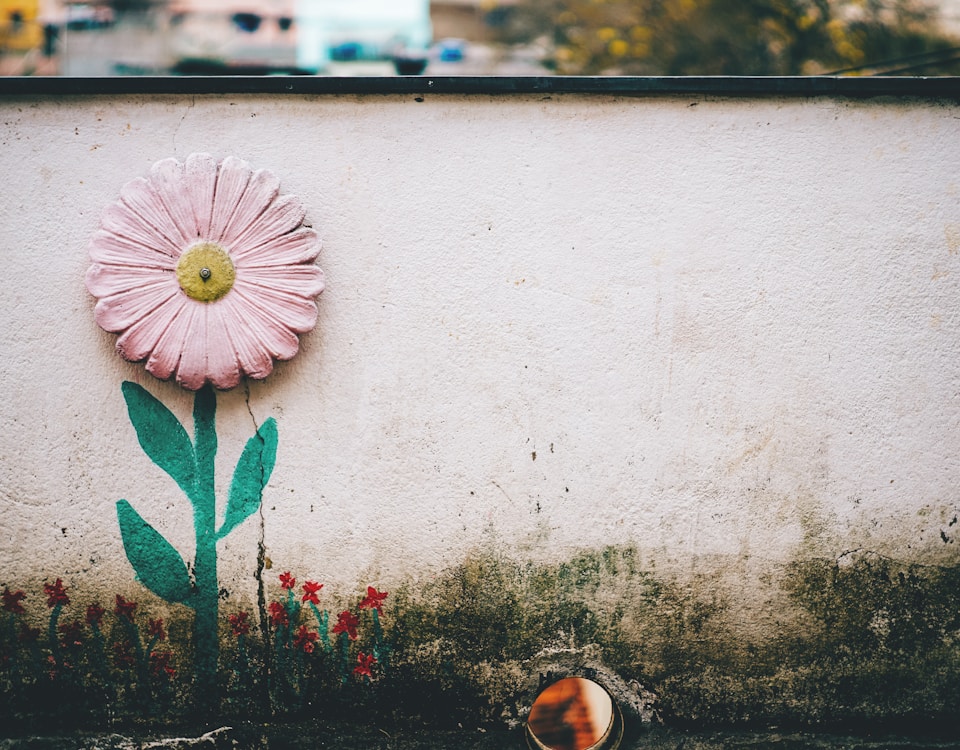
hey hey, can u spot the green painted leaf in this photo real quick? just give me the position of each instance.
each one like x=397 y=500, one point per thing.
x=157 y=564
x=251 y=476
x=162 y=437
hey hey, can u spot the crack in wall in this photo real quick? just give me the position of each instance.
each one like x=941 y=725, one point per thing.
x=193 y=103
x=261 y=546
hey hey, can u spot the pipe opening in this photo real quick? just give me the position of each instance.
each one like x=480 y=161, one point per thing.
x=574 y=714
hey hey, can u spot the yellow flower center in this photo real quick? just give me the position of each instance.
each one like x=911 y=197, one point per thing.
x=205 y=272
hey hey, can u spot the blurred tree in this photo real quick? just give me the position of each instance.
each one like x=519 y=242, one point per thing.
x=734 y=37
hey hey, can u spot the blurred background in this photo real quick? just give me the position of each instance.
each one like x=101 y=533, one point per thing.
x=479 y=37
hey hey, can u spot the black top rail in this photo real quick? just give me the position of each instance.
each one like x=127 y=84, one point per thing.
x=718 y=86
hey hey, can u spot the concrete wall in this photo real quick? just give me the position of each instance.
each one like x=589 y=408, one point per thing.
x=716 y=338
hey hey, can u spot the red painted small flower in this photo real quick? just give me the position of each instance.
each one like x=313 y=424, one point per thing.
x=12 y=599
x=310 y=590
x=71 y=633
x=124 y=608
x=374 y=599
x=160 y=664
x=365 y=664
x=155 y=630
x=95 y=614
x=287 y=581
x=305 y=639
x=56 y=594
x=52 y=661
x=278 y=614
x=347 y=623
x=239 y=624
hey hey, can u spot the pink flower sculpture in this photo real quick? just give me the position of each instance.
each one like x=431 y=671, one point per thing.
x=205 y=271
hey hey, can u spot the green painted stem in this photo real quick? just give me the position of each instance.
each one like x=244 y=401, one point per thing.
x=100 y=659
x=322 y=618
x=344 y=645
x=206 y=596
x=192 y=466
x=16 y=667
x=379 y=652
x=142 y=658
x=243 y=666
x=377 y=629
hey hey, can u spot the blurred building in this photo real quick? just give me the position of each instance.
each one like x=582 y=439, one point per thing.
x=285 y=35
x=474 y=20
x=348 y=30
x=20 y=28
x=248 y=35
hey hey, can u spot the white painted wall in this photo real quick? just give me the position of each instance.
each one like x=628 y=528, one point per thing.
x=727 y=328
x=950 y=15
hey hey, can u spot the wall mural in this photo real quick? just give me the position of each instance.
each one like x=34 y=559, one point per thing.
x=206 y=272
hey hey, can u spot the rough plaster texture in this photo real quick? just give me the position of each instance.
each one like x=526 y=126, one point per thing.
x=724 y=331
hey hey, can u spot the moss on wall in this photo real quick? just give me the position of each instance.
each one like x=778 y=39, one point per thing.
x=867 y=641
x=858 y=641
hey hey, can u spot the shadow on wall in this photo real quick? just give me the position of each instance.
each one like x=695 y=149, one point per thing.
x=872 y=645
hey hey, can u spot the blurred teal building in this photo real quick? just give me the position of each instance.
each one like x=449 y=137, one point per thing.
x=345 y=30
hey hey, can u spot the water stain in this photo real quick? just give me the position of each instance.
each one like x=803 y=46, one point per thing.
x=951 y=233
x=858 y=643
x=868 y=642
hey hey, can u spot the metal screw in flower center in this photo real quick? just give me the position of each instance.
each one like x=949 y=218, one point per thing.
x=205 y=272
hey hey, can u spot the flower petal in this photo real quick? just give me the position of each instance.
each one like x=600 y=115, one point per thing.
x=293 y=312
x=119 y=311
x=253 y=356
x=165 y=356
x=120 y=220
x=304 y=281
x=133 y=273
x=232 y=181
x=168 y=179
x=270 y=332
x=260 y=193
x=140 y=339
x=222 y=369
x=300 y=246
x=107 y=280
x=192 y=370
x=144 y=201
x=200 y=181
x=283 y=215
x=112 y=249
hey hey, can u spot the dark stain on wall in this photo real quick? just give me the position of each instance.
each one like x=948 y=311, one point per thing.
x=859 y=643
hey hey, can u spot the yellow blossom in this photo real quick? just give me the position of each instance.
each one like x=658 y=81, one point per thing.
x=618 y=48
